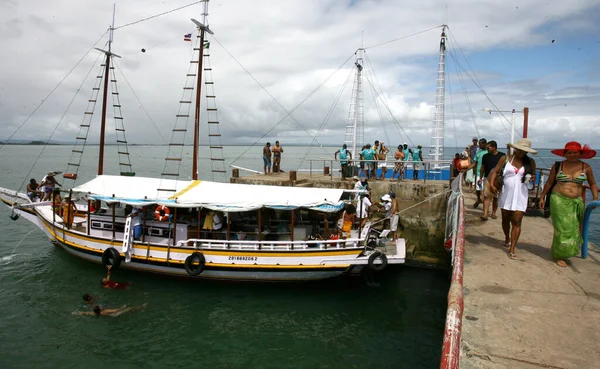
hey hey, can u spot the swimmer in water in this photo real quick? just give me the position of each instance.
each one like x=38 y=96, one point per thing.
x=107 y=283
x=98 y=310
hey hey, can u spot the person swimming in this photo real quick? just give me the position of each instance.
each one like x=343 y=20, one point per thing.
x=102 y=311
x=107 y=283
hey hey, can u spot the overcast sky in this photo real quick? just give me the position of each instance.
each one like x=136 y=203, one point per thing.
x=543 y=54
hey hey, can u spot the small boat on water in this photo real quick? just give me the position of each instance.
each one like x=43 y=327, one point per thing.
x=196 y=228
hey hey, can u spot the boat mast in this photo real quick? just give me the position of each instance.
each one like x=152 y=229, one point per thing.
x=108 y=54
x=437 y=134
x=355 y=126
x=202 y=27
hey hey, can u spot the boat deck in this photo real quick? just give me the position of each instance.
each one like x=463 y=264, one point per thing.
x=527 y=313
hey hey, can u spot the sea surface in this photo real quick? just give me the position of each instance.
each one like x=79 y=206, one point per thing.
x=395 y=321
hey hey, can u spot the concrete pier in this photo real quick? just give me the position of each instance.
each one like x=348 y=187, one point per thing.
x=527 y=313
x=422 y=207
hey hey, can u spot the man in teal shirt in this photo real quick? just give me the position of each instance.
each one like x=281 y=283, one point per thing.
x=368 y=155
x=477 y=163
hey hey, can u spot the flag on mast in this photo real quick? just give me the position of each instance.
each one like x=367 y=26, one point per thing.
x=187 y=37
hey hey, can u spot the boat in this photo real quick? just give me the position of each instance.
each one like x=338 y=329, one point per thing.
x=198 y=228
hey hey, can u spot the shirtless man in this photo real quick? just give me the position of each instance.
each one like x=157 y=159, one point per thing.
x=277 y=150
x=267 y=158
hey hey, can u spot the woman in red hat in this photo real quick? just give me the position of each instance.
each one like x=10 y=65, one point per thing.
x=566 y=199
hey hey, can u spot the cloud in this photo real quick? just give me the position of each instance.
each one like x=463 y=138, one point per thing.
x=293 y=47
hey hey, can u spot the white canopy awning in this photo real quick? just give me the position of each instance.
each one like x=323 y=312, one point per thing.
x=228 y=197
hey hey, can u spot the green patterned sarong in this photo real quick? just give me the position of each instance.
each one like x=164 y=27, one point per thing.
x=567 y=215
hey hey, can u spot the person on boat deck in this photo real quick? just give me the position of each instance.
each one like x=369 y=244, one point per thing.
x=476 y=166
x=96 y=207
x=68 y=211
x=277 y=150
x=360 y=185
x=48 y=183
x=314 y=237
x=566 y=202
x=382 y=155
x=107 y=283
x=368 y=155
x=417 y=157
x=136 y=222
x=345 y=161
x=56 y=202
x=348 y=217
x=394 y=217
x=33 y=191
x=518 y=169
x=98 y=310
x=488 y=163
x=267 y=158
x=363 y=208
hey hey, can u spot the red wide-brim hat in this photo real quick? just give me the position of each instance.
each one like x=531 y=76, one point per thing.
x=586 y=150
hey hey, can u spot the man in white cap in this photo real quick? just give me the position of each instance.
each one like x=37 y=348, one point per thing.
x=48 y=183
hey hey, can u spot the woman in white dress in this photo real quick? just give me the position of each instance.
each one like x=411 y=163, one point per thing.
x=517 y=169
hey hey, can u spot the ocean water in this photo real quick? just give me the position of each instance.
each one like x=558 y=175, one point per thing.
x=395 y=321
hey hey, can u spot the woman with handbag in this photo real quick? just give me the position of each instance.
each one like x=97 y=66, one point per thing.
x=566 y=199
x=517 y=170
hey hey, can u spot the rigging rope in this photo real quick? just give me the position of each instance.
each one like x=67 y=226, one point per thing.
x=403 y=37
x=60 y=120
x=140 y=102
x=288 y=113
x=327 y=116
x=51 y=92
x=452 y=109
x=158 y=15
x=398 y=126
x=376 y=97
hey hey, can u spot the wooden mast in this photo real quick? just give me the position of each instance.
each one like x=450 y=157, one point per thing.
x=108 y=54
x=202 y=28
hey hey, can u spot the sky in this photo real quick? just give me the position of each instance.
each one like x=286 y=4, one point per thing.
x=272 y=58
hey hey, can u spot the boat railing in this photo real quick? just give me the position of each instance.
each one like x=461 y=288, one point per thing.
x=271 y=245
x=587 y=215
x=455 y=238
x=432 y=169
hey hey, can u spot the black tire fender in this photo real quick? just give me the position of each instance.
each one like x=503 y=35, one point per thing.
x=190 y=268
x=111 y=256
x=374 y=256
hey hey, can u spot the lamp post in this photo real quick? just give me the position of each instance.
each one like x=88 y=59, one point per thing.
x=525 y=112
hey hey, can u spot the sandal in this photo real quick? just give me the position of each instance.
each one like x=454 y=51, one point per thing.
x=513 y=256
x=562 y=263
x=483 y=217
x=506 y=245
x=494 y=216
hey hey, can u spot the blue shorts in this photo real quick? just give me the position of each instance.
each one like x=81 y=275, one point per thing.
x=137 y=232
x=267 y=161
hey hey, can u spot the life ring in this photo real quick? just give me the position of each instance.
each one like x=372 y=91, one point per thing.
x=161 y=213
x=111 y=256
x=382 y=257
x=191 y=267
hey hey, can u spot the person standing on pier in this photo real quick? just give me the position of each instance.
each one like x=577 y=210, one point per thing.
x=518 y=170
x=476 y=166
x=368 y=155
x=382 y=155
x=566 y=201
x=398 y=164
x=488 y=163
x=267 y=158
x=345 y=157
x=277 y=150
x=417 y=157
x=407 y=157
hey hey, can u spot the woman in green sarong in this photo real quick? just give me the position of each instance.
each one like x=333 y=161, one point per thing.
x=566 y=200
